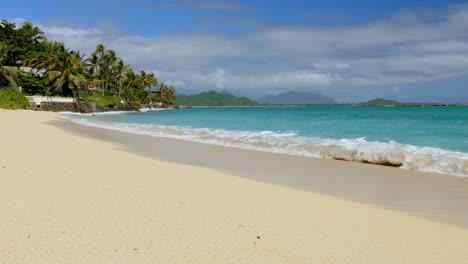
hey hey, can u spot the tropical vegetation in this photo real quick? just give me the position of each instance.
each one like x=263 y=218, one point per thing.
x=11 y=99
x=8 y=74
x=45 y=67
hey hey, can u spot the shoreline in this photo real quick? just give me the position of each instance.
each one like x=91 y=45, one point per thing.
x=74 y=198
x=401 y=154
x=435 y=196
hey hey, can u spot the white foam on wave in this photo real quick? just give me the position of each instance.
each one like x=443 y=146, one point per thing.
x=145 y=109
x=64 y=113
x=427 y=159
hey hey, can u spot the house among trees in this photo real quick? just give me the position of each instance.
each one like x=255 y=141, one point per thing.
x=93 y=86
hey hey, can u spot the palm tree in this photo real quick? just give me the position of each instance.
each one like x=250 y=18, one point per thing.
x=169 y=95
x=100 y=49
x=166 y=94
x=120 y=69
x=100 y=65
x=131 y=83
x=93 y=66
x=149 y=80
x=47 y=59
x=107 y=60
x=8 y=74
x=62 y=68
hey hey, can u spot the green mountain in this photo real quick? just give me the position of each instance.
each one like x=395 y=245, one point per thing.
x=296 y=98
x=380 y=102
x=213 y=98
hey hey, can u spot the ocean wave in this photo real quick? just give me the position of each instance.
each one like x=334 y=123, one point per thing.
x=64 y=113
x=427 y=159
x=145 y=109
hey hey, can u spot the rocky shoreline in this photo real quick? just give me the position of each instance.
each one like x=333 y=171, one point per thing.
x=88 y=107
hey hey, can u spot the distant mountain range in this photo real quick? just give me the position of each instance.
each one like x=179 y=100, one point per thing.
x=225 y=98
x=213 y=98
x=296 y=98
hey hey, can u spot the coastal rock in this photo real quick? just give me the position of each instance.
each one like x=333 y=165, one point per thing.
x=122 y=107
x=86 y=106
x=58 y=107
x=103 y=109
x=79 y=106
x=135 y=106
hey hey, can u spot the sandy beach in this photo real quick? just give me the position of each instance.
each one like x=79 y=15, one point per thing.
x=68 y=197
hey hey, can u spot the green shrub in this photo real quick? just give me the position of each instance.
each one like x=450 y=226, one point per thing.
x=11 y=99
x=105 y=101
x=33 y=84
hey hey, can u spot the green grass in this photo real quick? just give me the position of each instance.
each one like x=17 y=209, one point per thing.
x=104 y=101
x=11 y=99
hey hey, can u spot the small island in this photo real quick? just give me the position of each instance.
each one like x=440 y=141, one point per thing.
x=213 y=98
x=385 y=102
x=380 y=102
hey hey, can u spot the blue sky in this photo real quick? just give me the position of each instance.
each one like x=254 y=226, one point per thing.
x=350 y=50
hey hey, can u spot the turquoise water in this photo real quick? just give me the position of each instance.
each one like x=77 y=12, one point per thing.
x=431 y=139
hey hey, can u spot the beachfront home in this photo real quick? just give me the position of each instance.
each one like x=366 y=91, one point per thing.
x=94 y=87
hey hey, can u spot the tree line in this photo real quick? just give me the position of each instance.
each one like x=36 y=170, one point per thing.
x=45 y=67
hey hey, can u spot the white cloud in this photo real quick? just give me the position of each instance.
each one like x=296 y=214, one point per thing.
x=176 y=83
x=18 y=20
x=407 y=48
x=69 y=32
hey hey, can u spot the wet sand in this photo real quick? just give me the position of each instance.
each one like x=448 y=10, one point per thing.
x=438 y=197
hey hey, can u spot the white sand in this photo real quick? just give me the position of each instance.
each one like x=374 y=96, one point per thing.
x=71 y=199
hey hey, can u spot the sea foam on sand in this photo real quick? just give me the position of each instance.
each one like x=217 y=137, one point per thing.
x=406 y=156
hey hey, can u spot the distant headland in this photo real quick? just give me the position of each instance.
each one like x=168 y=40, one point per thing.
x=385 y=102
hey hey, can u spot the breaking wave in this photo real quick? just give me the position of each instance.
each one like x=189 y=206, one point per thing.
x=96 y=113
x=427 y=159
